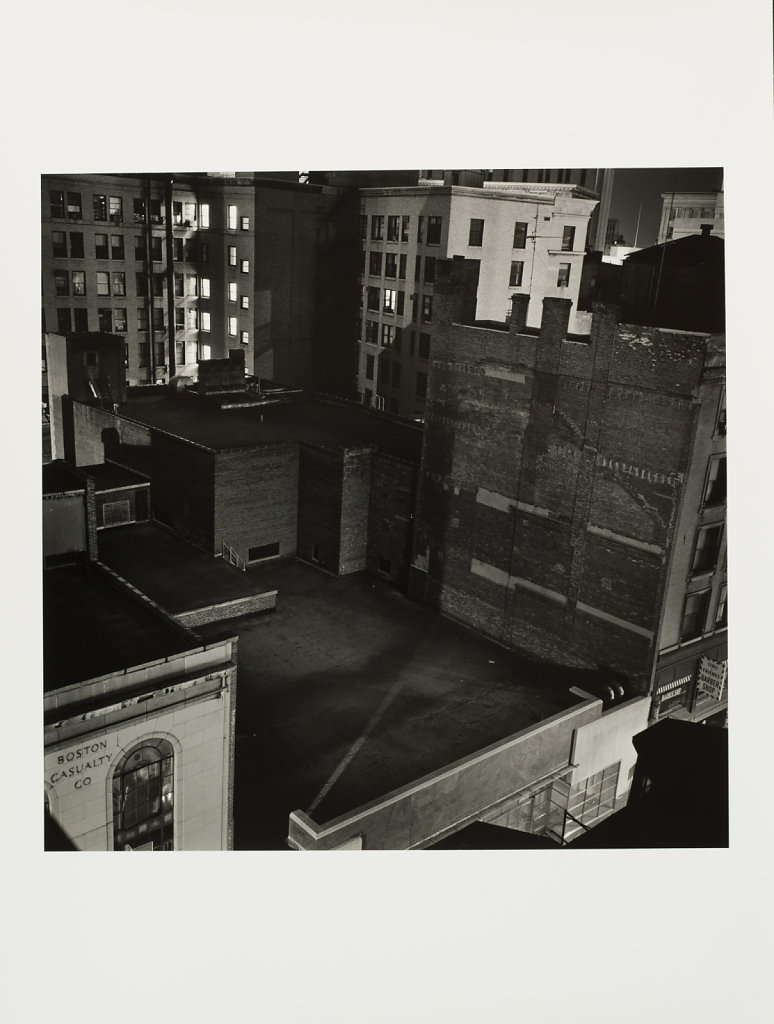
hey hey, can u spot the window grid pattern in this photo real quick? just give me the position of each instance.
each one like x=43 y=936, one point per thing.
x=143 y=797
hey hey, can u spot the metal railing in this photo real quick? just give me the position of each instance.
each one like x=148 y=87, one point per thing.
x=230 y=556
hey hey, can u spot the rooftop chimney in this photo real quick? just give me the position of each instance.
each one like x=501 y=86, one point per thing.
x=705 y=230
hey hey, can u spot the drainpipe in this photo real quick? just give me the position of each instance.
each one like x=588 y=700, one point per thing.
x=171 y=280
x=149 y=267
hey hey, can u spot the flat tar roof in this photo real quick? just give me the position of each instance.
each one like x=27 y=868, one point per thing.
x=350 y=690
x=315 y=421
x=107 y=475
x=92 y=627
x=58 y=477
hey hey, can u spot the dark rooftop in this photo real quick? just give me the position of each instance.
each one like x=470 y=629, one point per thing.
x=108 y=475
x=315 y=421
x=92 y=627
x=351 y=690
x=59 y=477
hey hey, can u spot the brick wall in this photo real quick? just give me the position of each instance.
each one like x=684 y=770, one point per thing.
x=355 y=498
x=391 y=517
x=319 y=506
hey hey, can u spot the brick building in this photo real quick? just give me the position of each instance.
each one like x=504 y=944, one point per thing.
x=572 y=493
x=185 y=267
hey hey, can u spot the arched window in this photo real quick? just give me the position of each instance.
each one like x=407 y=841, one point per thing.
x=143 y=797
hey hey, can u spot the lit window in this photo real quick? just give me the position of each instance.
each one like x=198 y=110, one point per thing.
x=156 y=216
x=205 y=285
x=191 y=282
x=205 y=320
x=232 y=218
x=204 y=211
x=715 y=487
x=434 y=230
x=116 y=209
x=245 y=302
x=388 y=335
x=244 y=337
x=721 y=612
x=189 y=214
x=705 y=554
x=427 y=309
x=79 y=282
x=119 y=283
x=517 y=274
x=232 y=291
x=390 y=299
x=232 y=326
x=143 y=797
x=694 y=615
x=191 y=318
x=476 y=234
x=568 y=238
x=138 y=208
x=177 y=213
x=100 y=208
x=119 y=324
x=563 y=278
x=245 y=222
x=520 y=235
x=244 y=266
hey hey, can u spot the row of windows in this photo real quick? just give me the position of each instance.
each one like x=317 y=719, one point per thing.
x=696 y=611
x=391 y=336
x=692 y=211
x=114 y=320
x=67 y=282
x=398 y=230
x=394 y=266
x=69 y=206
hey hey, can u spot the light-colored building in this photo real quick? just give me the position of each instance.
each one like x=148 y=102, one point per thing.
x=686 y=213
x=527 y=240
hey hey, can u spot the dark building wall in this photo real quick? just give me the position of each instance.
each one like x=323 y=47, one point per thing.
x=391 y=517
x=255 y=499
x=355 y=497
x=551 y=479
x=320 y=506
x=138 y=500
x=64 y=528
x=182 y=487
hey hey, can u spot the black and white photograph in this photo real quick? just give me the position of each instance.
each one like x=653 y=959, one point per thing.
x=370 y=495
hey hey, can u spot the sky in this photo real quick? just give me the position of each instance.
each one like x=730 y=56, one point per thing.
x=632 y=186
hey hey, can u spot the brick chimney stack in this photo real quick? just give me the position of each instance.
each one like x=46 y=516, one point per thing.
x=519 y=307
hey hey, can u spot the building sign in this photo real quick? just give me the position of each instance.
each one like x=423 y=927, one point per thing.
x=672 y=691
x=76 y=766
x=712 y=677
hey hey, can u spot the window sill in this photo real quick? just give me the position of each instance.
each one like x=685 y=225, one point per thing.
x=565 y=252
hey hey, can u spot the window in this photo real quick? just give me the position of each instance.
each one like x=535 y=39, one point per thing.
x=721 y=422
x=232 y=218
x=721 y=612
x=402 y=267
x=476 y=234
x=433 y=230
x=141 y=282
x=158 y=318
x=143 y=797
x=705 y=554
x=204 y=215
x=377 y=228
x=191 y=285
x=388 y=335
x=372 y=332
x=520 y=235
x=156 y=216
x=263 y=551
x=375 y=263
x=232 y=256
x=101 y=250
x=63 y=321
x=369 y=368
x=138 y=210
x=232 y=291
x=59 y=239
x=56 y=203
x=74 y=211
x=158 y=285
x=232 y=326
x=159 y=353
x=517 y=274
x=245 y=223
x=76 y=245
x=117 y=247
x=119 y=321
x=119 y=282
x=105 y=320
x=142 y=322
x=179 y=285
x=140 y=252
x=180 y=319
x=81 y=317
x=244 y=337
x=393 y=229
x=424 y=346
x=418 y=268
x=404 y=231
x=179 y=353
x=568 y=239
x=390 y=265
x=116 y=209
x=715 y=487
x=396 y=375
x=204 y=252
x=157 y=255
x=79 y=282
x=563 y=278
x=205 y=286
x=429 y=269
x=420 y=228
x=177 y=213
x=244 y=302
x=427 y=309
x=421 y=385
x=205 y=320
x=694 y=615
x=398 y=338
x=389 y=300
x=372 y=298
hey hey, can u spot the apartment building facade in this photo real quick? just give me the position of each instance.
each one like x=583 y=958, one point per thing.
x=523 y=244
x=686 y=213
x=188 y=267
